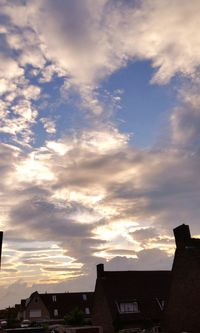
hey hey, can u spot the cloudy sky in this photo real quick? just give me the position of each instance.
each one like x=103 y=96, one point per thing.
x=99 y=138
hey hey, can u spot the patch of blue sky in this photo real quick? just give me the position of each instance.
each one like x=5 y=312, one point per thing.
x=144 y=106
x=63 y=110
x=5 y=138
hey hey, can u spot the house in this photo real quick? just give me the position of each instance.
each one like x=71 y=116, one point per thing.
x=129 y=299
x=10 y=313
x=182 y=312
x=53 y=307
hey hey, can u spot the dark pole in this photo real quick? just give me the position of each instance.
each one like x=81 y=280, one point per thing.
x=1 y=241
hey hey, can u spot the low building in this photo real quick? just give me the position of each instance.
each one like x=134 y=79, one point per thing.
x=53 y=307
x=10 y=313
x=183 y=306
x=129 y=299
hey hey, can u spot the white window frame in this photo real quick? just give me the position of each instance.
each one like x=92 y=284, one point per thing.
x=54 y=298
x=87 y=311
x=55 y=312
x=128 y=307
x=36 y=313
x=161 y=303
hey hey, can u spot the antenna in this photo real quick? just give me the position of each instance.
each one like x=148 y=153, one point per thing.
x=1 y=241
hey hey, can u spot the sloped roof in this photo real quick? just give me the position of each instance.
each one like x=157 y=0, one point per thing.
x=145 y=287
x=66 y=302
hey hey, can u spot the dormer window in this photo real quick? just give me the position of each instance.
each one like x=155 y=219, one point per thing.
x=128 y=307
x=161 y=303
x=55 y=312
x=54 y=298
x=87 y=311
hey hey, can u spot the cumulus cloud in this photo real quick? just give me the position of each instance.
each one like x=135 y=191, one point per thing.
x=94 y=196
x=84 y=42
x=153 y=30
x=87 y=193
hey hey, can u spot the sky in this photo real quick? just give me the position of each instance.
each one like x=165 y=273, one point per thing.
x=99 y=138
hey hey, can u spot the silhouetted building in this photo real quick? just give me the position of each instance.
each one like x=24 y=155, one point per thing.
x=129 y=299
x=46 y=307
x=10 y=312
x=182 y=312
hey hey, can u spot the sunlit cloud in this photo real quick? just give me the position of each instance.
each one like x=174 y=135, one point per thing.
x=33 y=169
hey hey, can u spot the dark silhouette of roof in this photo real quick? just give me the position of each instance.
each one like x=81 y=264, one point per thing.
x=148 y=288
x=129 y=298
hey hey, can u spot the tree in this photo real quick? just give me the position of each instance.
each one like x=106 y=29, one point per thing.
x=75 y=317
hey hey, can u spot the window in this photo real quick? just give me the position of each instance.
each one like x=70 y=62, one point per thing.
x=54 y=298
x=84 y=297
x=35 y=313
x=87 y=311
x=128 y=307
x=161 y=303
x=55 y=312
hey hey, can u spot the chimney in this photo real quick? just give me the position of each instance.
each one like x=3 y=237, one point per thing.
x=100 y=270
x=182 y=236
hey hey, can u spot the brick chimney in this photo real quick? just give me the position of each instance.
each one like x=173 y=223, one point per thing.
x=100 y=270
x=182 y=236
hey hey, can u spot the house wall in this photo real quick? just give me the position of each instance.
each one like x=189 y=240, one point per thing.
x=101 y=315
x=36 y=305
x=183 y=306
